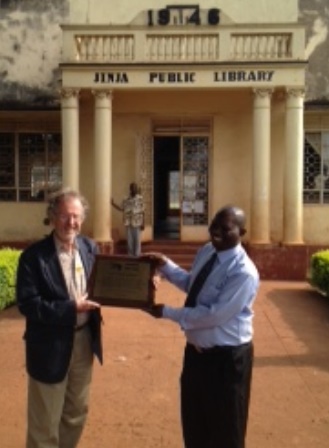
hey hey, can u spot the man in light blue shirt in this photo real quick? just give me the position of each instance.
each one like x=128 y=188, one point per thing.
x=217 y=320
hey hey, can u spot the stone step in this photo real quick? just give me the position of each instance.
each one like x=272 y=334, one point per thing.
x=182 y=253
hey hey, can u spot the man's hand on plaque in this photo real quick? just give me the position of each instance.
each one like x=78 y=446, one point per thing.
x=156 y=257
x=156 y=279
x=156 y=310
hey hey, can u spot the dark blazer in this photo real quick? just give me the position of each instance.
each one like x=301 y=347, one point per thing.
x=43 y=298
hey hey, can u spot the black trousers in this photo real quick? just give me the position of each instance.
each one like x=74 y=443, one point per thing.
x=215 y=392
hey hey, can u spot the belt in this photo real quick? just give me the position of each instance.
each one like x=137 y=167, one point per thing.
x=80 y=327
x=218 y=348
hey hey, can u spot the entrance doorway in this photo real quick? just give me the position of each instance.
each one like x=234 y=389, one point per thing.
x=166 y=187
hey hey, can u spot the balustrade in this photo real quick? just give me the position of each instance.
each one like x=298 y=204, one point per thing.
x=88 y=43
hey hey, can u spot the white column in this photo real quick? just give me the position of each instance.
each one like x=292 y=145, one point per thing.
x=103 y=161
x=70 y=137
x=293 y=168
x=260 y=198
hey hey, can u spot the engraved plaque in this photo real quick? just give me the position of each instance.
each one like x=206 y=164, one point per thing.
x=122 y=281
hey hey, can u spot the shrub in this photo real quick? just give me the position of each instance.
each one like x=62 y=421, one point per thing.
x=319 y=271
x=8 y=267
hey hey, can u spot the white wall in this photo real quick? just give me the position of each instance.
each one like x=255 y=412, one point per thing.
x=240 y=11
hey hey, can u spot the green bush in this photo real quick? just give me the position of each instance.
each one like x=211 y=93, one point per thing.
x=319 y=271
x=8 y=267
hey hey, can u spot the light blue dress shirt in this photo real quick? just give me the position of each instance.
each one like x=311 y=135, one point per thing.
x=223 y=313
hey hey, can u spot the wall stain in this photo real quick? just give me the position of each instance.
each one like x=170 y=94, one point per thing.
x=314 y=14
x=30 y=52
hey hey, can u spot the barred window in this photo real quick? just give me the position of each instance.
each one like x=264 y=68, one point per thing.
x=316 y=168
x=30 y=165
x=195 y=180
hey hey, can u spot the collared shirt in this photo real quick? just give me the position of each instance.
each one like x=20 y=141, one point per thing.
x=223 y=313
x=74 y=275
x=133 y=211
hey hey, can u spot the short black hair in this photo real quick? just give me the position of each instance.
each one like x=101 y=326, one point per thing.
x=239 y=215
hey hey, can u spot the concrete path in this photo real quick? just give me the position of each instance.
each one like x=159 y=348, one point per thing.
x=290 y=397
x=134 y=401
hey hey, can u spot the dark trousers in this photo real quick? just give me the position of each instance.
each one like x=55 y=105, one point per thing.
x=215 y=391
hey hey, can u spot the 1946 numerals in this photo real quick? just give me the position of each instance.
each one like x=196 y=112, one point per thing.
x=183 y=15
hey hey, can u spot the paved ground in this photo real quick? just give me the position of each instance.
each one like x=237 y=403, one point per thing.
x=135 y=394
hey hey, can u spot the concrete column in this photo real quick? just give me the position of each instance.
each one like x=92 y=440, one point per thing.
x=70 y=137
x=293 y=168
x=260 y=197
x=103 y=166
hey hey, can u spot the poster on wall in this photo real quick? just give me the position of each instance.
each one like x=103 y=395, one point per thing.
x=190 y=180
x=187 y=207
x=199 y=207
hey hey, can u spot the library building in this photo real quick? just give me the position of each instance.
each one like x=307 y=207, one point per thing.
x=202 y=105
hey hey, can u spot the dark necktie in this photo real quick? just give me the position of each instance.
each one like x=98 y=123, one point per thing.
x=199 y=281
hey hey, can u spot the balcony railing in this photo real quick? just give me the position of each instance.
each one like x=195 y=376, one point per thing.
x=182 y=47
x=261 y=46
x=128 y=45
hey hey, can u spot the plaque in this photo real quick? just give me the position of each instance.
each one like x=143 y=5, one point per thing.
x=122 y=281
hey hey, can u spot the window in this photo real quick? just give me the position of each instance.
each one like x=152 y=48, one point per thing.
x=30 y=165
x=195 y=180
x=316 y=168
